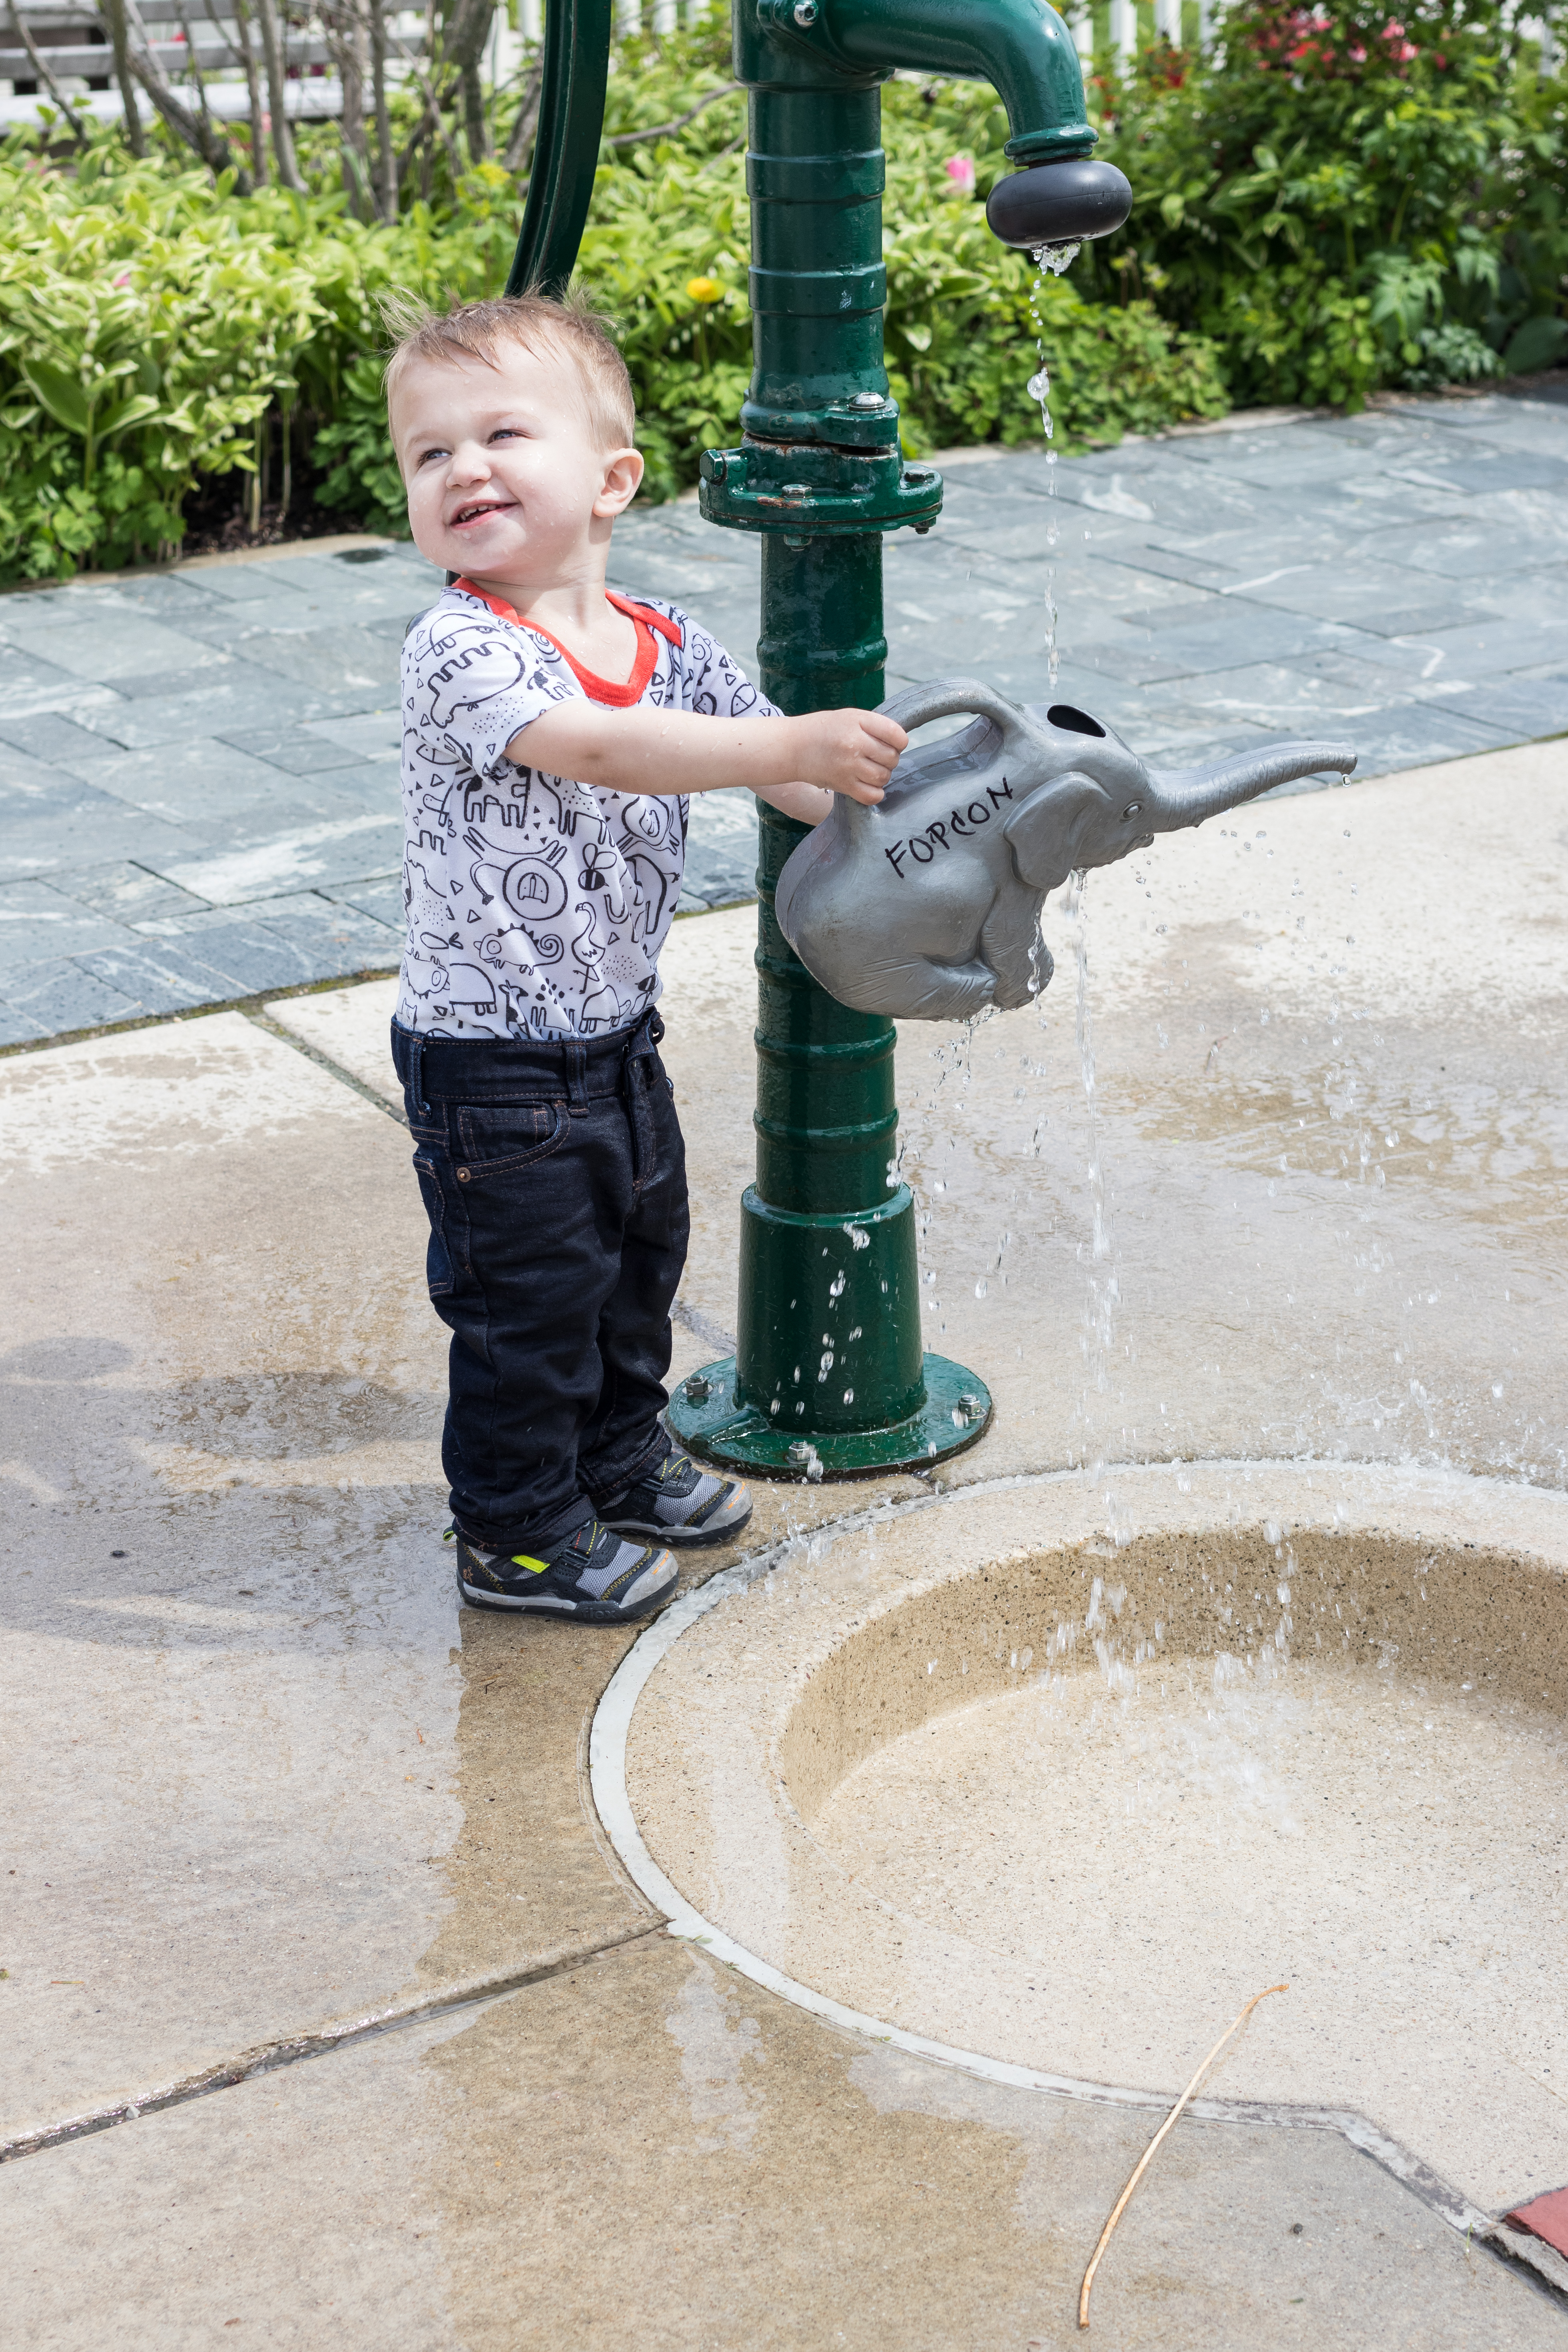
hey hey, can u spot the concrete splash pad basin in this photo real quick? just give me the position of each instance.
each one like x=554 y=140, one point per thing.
x=1053 y=1802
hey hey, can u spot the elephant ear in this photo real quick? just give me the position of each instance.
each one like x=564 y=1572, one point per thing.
x=1043 y=834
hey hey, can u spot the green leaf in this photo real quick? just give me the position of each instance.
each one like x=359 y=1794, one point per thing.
x=60 y=393
x=125 y=413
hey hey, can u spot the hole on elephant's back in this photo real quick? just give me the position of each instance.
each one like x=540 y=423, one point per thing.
x=1071 y=721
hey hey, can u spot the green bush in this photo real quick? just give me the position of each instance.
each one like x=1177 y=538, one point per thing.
x=145 y=330
x=1342 y=198
x=1329 y=203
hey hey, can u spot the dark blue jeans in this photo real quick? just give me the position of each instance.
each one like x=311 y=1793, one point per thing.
x=554 y=1180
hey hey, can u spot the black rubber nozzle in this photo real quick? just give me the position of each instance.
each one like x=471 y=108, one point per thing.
x=1059 y=204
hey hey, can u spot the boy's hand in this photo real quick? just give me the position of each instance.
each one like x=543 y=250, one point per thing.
x=848 y=752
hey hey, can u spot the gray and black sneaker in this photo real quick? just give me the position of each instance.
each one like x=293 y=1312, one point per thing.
x=591 y=1576
x=681 y=1503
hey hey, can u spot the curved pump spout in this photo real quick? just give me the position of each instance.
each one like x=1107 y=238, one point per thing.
x=1023 y=47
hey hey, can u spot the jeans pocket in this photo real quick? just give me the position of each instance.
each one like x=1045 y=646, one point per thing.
x=439 y=1274
x=498 y=1139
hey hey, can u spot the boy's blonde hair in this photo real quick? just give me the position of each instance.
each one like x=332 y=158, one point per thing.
x=473 y=331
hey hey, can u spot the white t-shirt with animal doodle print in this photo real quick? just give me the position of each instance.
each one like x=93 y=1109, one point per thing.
x=537 y=907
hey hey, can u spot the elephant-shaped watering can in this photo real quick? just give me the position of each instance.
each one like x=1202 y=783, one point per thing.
x=927 y=906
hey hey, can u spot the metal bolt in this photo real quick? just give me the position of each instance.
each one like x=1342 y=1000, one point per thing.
x=462 y=1175
x=804 y=13
x=864 y=399
x=971 y=1406
x=698 y=1388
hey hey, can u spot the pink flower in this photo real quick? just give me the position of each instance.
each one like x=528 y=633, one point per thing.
x=961 y=171
x=123 y=278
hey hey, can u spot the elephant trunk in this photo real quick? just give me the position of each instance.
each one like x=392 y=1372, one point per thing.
x=1186 y=797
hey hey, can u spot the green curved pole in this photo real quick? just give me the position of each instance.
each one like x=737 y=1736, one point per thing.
x=565 y=146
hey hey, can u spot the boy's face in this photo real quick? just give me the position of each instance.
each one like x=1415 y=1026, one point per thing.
x=505 y=480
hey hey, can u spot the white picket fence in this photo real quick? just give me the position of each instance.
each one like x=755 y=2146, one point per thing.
x=73 y=41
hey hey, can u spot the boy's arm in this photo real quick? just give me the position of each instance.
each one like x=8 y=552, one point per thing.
x=647 y=749
x=807 y=804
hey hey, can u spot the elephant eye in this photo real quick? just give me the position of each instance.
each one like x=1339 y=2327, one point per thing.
x=1133 y=808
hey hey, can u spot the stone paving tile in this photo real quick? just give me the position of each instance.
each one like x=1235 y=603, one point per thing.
x=105 y=646
x=279 y=942
x=66 y=843
x=374 y=735
x=19 y=1029
x=1419 y=735
x=721 y=851
x=333 y=935
x=1481 y=474
x=160 y=975
x=1478 y=649
x=130 y=892
x=50 y=738
x=243 y=695
x=339 y=661
x=300 y=753
x=228 y=737
x=38 y=920
x=29 y=789
x=1522 y=708
x=51 y=997
x=1465 y=548
x=315 y=856
x=383 y=899
x=205 y=781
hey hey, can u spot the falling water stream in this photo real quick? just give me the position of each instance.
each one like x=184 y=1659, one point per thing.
x=1050 y=261
x=1102 y=1292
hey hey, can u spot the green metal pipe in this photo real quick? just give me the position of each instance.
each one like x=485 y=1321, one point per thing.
x=830 y=1377
x=1022 y=47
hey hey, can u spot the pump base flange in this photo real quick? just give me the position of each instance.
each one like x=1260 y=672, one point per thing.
x=704 y=1417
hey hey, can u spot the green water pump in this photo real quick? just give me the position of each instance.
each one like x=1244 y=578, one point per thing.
x=830 y=1377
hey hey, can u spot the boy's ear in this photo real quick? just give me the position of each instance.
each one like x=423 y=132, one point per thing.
x=623 y=472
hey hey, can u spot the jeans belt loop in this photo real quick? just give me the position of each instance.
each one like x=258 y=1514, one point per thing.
x=642 y=1044
x=416 y=1075
x=576 y=1058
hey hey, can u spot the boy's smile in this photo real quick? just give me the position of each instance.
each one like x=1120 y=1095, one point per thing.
x=506 y=480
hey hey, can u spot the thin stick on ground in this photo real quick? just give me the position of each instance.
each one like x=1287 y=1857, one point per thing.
x=1147 y=2157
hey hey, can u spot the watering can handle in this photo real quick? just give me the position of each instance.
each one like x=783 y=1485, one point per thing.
x=916 y=704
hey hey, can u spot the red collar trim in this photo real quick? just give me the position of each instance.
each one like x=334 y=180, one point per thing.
x=596 y=689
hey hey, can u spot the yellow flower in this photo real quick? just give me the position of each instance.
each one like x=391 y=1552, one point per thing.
x=704 y=289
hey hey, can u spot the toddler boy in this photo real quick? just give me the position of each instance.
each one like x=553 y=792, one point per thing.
x=552 y=733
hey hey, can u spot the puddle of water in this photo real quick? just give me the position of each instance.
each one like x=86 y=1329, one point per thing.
x=1228 y=1822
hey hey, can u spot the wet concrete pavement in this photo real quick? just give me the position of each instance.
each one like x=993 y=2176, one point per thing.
x=266 y=1779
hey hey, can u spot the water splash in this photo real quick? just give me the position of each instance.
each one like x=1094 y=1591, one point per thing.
x=1056 y=258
